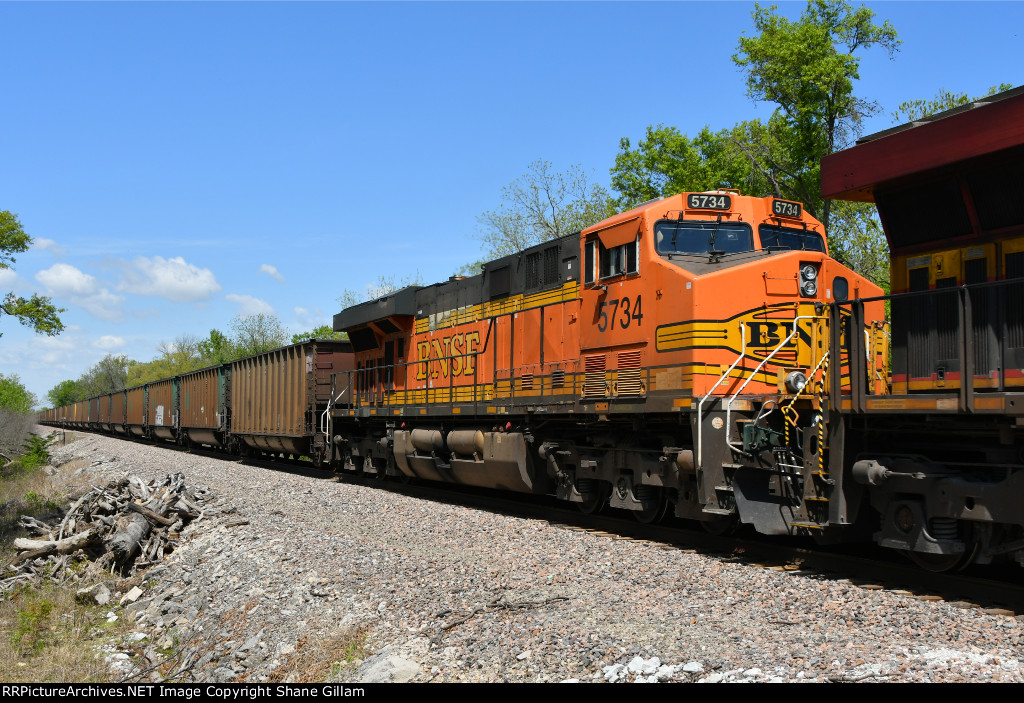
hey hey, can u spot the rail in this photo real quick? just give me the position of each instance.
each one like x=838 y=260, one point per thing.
x=728 y=404
x=700 y=403
x=396 y=387
x=957 y=342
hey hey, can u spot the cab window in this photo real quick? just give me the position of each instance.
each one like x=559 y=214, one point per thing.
x=700 y=237
x=777 y=237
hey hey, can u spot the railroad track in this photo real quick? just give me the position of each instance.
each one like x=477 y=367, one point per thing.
x=996 y=590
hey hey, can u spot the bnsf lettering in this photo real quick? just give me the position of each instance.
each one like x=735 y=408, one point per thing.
x=452 y=355
x=771 y=334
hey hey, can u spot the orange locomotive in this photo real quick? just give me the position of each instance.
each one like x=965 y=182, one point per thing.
x=673 y=356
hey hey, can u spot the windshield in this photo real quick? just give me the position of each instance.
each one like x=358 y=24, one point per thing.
x=695 y=237
x=785 y=238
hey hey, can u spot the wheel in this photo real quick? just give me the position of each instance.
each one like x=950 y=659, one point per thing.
x=720 y=525
x=941 y=563
x=595 y=495
x=655 y=506
x=938 y=563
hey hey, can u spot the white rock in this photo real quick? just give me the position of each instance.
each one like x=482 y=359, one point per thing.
x=131 y=596
x=635 y=665
x=612 y=673
x=713 y=678
x=571 y=681
x=651 y=666
x=693 y=667
x=751 y=673
x=665 y=672
x=524 y=655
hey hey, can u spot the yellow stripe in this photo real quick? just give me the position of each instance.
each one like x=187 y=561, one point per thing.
x=505 y=306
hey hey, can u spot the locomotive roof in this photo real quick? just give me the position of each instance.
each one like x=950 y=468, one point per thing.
x=925 y=149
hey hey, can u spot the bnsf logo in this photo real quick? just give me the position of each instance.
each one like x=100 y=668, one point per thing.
x=454 y=355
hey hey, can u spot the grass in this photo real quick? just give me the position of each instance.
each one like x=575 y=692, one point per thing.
x=45 y=634
x=324 y=657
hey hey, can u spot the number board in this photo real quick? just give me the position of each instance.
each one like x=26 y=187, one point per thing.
x=708 y=201
x=786 y=208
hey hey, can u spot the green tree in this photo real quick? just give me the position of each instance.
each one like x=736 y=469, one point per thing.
x=320 y=332
x=64 y=393
x=911 y=110
x=808 y=68
x=666 y=162
x=216 y=349
x=857 y=239
x=14 y=397
x=107 y=375
x=37 y=312
x=255 y=334
x=540 y=205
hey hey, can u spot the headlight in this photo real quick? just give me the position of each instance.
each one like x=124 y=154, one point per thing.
x=795 y=382
x=808 y=272
x=809 y=288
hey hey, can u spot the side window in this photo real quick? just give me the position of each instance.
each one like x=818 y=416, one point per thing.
x=619 y=260
x=589 y=261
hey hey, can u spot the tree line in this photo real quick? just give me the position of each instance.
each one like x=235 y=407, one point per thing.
x=249 y=335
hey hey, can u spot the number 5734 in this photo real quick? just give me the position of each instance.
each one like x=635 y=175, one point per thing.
x=619 y=310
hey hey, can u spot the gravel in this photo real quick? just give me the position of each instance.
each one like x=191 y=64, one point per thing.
x=283 y=562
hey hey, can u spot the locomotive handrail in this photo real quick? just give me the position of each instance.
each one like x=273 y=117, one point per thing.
x=700 y=403
x=981 y=323
x=728 y=404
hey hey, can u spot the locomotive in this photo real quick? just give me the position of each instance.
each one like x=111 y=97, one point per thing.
x=701 y=355
x=671 y=358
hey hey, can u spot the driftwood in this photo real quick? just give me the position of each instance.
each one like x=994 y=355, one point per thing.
x=60 y=546
x=129 y=523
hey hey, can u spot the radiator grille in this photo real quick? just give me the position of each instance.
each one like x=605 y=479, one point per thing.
x=558 y=379
x=594 y=383
x=628 y=381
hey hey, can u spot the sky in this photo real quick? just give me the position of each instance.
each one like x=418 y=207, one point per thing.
x=178 y=164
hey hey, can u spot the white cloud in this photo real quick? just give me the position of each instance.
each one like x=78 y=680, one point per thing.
x=249 y=305
x=174 y=279
x=103 y=304
x=49 y=245
x=55 y=350
x=272 y=272
x=8 y=278
x=66 y=280
x=109 y=342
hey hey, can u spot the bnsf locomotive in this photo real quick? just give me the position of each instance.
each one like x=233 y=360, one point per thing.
x=700 y=355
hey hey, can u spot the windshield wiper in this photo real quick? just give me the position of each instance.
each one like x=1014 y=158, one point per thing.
x=715 y=254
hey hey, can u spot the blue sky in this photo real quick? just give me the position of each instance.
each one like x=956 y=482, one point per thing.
x=181 y=163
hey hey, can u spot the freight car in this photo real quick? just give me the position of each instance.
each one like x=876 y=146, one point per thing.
x=271 y=402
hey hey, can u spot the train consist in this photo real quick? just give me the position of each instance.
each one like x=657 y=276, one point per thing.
x=700 y=355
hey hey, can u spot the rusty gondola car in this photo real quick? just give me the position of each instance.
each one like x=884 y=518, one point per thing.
x=277 y=399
